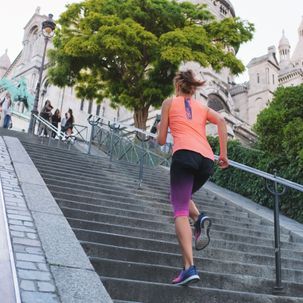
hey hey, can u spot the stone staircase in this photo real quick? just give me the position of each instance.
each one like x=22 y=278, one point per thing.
x=129 y=236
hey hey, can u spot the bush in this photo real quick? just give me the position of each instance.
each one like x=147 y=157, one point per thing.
x=254 y=187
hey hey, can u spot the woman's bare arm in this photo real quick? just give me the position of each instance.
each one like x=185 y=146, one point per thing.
x=217 y=119
x=163 y=125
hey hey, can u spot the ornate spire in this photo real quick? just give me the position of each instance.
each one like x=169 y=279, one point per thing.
x=5 y=62
x=283 y=41
x=284 y=51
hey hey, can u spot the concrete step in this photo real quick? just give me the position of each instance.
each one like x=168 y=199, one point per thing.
x=172 y=259
x=150 y=208
x=109 y=176
x=172 y=247
x=139 y=192
x=160 y=204
x=41 y=151
x=96 y=170
x=148 y=205
x=101 y=184
x=255 y=231
x=147 y=292
x=92 y=226
x=133 y=185
x=164 y=274
x=26 y=138
x=122 y=195
x=56 y=177
x=36 y=148
x=233 y=221
x=98 y=193
x=80 y=162
x=158 y=225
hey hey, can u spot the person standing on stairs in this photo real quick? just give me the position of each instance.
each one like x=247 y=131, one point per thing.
x=192 y=164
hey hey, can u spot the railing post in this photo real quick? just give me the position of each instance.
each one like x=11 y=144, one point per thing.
x=141 y=166
x=93 y=122
x=91 y=138
x=111 y=145
x=49 y=137
x=141 y=160
x=278 y=288
x=114 y=128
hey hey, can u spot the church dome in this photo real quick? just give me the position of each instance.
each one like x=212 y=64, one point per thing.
x=283 y=41
x=5 y=62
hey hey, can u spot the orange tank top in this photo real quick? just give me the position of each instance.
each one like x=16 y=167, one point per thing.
x=187 y=122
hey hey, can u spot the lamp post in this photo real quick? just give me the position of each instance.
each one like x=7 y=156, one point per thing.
x=48 y=30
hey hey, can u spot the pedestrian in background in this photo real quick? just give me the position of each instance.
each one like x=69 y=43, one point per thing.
x=46 y=114
x=6 y=111
x=56 y=119
x=69 y=122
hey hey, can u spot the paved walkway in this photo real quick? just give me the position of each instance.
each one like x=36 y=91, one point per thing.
x=49 y=262
x=35 y=279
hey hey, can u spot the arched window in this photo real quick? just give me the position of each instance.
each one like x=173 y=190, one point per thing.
x=216 y=103
x=98 y=110
x=90 y=107
x=267 y=75
x=32 y=46
x=82 y=104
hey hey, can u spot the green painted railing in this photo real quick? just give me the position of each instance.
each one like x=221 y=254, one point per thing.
x=122 y=143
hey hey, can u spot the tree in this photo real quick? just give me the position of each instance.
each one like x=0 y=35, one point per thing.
x=280 y=126
x=129 y=50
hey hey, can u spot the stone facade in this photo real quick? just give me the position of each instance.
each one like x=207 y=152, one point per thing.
x=240 y=104
x=27 y=65
x=266 y=74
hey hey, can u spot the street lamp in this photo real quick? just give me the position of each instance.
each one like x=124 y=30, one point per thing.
x=48 y=30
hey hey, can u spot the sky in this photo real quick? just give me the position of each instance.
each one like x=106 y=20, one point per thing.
x=269 y=16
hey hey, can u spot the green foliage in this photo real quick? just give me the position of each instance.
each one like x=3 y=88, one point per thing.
x=280 y=136
x=129 y=50
x=254 y=187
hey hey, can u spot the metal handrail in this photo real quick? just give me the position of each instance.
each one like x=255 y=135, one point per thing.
x=119 y=141
x=277 y=193
x=50 y=126
x=130 y=128
x=62 y=136
x=265 y=175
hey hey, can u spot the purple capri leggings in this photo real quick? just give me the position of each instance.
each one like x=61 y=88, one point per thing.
x=188 y=173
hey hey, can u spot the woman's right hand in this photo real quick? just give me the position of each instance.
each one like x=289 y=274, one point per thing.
x=223 y=162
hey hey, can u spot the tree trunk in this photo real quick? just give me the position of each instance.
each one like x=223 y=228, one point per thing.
x=140 y=117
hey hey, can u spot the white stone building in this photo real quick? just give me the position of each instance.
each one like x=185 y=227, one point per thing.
x=238 y=103
x=5 y=63
x=27 y=64
x=266 y=73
